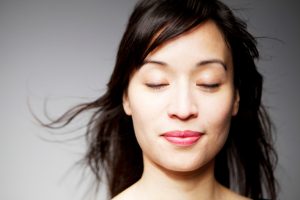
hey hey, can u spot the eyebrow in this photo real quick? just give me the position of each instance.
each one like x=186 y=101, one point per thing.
x=201 y=63
x=210 y=61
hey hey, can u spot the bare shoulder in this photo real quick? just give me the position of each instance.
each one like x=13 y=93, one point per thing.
x=232 y=195
x=236 y=196
x=127 y=194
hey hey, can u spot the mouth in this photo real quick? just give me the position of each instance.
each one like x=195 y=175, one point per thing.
x=182 y=138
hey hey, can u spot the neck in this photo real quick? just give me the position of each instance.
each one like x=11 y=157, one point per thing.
x=160 y=183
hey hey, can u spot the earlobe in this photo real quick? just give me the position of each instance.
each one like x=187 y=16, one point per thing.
x=126 y=105
x=236 y=103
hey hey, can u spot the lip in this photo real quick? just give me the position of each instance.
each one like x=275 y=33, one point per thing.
x=182 y=138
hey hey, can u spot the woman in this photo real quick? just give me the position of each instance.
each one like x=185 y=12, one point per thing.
x=182 y=116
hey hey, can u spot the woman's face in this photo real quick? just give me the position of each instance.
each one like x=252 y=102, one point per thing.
x=182 y=100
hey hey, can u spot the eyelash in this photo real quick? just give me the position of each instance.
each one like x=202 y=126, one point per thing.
x=156 y=86
x=211 y=86
x=162 y=85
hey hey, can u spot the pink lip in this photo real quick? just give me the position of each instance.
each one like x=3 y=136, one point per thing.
x=182 y=138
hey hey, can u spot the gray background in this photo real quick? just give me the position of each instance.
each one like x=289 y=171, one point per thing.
x=64 y=50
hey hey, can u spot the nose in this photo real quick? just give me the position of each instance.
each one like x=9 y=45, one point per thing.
x=182 y=105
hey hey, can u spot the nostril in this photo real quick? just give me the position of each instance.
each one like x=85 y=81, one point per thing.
x=183 y=117
x=183 y=114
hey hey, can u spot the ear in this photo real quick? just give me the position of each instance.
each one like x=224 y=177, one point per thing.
x=236 y=103
x=126 y=104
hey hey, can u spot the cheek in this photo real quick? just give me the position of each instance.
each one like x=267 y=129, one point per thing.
x=147 y=106
x=216 y=114
x=146 y=112
x=216 y=117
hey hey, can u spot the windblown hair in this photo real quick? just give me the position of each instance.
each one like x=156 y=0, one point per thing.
x=247 y=160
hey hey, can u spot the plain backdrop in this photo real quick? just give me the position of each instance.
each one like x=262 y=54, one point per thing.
x=64 y=51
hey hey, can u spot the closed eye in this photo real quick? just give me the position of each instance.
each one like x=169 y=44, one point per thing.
x=209 y=87
x=214 y=85
x=156 y=86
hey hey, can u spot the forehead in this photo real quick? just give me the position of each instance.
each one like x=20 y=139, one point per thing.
x=203 y=42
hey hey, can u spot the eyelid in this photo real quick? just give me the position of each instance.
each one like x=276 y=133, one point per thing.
x=209 y=87
x=156 y=86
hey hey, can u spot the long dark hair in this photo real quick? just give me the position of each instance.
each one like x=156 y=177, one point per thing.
x=246 y=162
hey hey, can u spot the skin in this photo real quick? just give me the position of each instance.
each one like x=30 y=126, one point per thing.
x=186 y=84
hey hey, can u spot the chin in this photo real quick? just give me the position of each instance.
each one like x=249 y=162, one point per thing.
x=188 y=168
